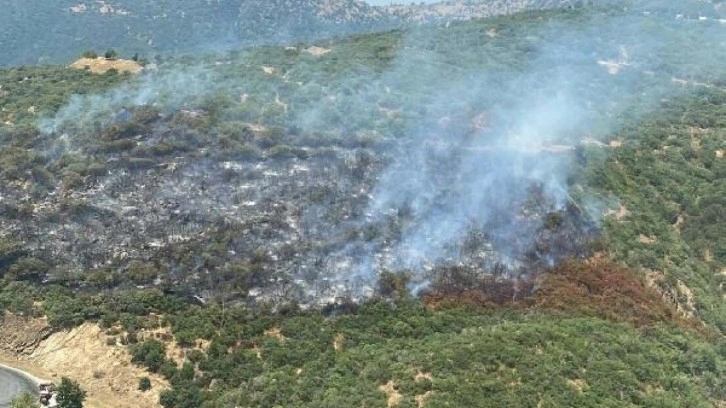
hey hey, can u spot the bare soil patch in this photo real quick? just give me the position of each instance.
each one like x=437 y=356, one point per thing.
x=102 y=65
x=338 y=342
x=646 y=239
x=421 y=398
x=317 y=51
x=275 y=333
x=394 y=397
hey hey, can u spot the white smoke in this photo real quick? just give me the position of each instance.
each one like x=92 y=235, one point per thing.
x=472 y=135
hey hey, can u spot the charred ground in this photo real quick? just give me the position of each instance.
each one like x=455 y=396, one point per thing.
x=159 y=200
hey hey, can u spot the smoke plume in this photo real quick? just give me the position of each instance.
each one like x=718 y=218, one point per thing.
x=491 y=140
x=476 y=126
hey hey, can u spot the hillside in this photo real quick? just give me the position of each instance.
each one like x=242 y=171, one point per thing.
x=163 y=27
x=84 y=353
x=525 y=210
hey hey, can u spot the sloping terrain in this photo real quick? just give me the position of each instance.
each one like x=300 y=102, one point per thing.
x=672 y=183
x=289 y=176
x=83 y=353
x=104 y=370
x=164 y=27
x=526 y=210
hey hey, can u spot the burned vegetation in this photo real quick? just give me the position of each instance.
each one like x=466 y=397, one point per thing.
x=277 y=174
x=246 y=212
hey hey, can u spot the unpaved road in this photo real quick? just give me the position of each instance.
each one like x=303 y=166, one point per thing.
x=11 y=384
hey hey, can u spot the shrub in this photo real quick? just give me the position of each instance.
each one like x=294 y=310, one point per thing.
x=600 y=288
x=27 y=269
x=24 y=400
x=70 y=394
x=64 y=310
x=142 y=273
x=144 y=384
x=391 y=284
x=110 y=54
x=151 y=353
x=168 y=369
x=18 y=297
x=9 y=252
x=132 y=338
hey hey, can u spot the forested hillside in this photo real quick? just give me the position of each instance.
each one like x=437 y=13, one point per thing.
x=149 y=28
x=163 y=27
x=526 y=210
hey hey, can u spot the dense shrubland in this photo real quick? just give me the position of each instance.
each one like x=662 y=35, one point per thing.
x=669 y=175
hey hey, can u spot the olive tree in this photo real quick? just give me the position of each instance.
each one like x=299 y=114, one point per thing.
x=70 y=394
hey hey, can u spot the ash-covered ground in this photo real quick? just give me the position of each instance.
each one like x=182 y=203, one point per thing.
x=294 y=219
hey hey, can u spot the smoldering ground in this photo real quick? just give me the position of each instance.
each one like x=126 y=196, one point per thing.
x=460 y=151
x=492 y=153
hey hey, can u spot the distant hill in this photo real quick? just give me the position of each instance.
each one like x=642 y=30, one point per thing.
x=70 y=27
x=289 y=21
x=55 y=32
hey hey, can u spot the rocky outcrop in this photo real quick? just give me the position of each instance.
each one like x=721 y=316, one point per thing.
x=21 y=335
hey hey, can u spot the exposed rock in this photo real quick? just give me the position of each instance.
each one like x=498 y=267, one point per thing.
x=646 y=239
x=620 y=213
x=687 y=307
x=578 y=384
x=82 y=353
x=21 y=335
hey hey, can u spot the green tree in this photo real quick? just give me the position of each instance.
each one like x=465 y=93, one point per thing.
x=142 y=272
x=27 y=269
x=24 y=400
x=70 y=394
x=111 y=54
x=144 y=384
x=184 y=395
x=151 y=353
x=18 y=297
